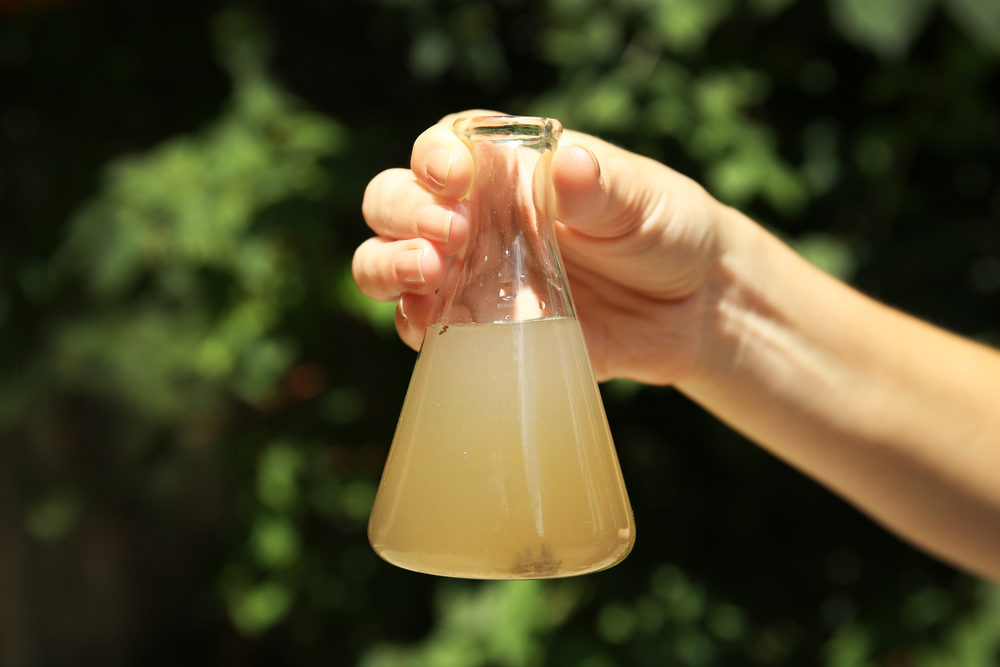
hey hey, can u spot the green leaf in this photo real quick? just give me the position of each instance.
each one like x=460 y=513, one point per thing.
x=873 y=154
x=342 y=405
x=275 y=542
x=51 y=518
x=277 y=475
x=256 y=608
x=829 y=253
x=609 y=105
x=727 y=622
x=496 y=623
x=381 y=315
x=357 y=497
x=849 y=647
x=431 y=54
x=887 y=27
x=979 y=18
x=616 y=623
x=598 y=39
x=685 y=25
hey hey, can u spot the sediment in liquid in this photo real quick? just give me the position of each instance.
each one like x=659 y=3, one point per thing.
x=503 y=465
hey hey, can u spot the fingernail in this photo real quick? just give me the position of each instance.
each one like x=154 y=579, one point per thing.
x=409 y=267
x=439 y=166
x=434 y=222
x=402 y=312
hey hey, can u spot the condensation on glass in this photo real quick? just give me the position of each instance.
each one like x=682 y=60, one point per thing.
x=502 y=466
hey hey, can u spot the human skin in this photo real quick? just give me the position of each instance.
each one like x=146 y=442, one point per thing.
x=672 y=287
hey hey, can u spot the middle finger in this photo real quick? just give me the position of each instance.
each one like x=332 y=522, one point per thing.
x=396 y=206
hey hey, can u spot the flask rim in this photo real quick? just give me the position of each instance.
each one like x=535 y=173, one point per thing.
x=529 y=129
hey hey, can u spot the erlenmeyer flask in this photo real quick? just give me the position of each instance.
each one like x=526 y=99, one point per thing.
x=503 y=466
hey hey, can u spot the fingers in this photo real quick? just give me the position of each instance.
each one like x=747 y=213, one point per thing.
x=384 y=269
x=423 y=201
x=440 y=161
x=413 y=314
x=396 y=206
x=419 y=221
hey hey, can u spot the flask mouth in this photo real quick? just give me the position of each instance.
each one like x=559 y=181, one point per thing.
x=532 y=130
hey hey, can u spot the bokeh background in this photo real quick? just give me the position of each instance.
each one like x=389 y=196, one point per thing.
x=196 y=403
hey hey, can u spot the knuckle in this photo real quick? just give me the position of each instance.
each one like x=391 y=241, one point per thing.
x=365 y=269
x=374 y=197
x=358 y=267
x=418 y=143
x=368 y=202
x=407 y=332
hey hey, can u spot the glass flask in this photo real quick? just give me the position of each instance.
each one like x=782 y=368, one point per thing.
x=502 y=466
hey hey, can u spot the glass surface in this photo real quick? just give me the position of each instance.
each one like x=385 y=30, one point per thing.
x=510 y=270
x=503 y=466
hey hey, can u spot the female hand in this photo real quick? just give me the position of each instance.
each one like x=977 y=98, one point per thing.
x=641 y=245
x=672 y=287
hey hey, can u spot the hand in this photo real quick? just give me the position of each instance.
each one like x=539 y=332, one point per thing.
x=672 y=287
x=641 y=245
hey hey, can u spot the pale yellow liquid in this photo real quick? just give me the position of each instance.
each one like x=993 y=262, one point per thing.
x=503 y=466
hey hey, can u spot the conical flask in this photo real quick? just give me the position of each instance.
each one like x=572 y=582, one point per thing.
x=502 y=466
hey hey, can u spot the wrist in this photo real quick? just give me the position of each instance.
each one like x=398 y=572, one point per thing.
x=734 y=298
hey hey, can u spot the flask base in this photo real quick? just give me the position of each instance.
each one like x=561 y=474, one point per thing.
x=503 y=465
x=539 y=563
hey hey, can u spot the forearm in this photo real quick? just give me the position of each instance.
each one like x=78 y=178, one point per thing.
x=895 y=415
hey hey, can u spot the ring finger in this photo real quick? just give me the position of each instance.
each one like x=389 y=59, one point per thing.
x=384 y=269
x=396 y=206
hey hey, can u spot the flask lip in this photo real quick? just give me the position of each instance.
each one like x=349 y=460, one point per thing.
x=528 y=129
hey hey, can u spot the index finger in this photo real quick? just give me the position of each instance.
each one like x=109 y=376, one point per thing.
x=440 y=161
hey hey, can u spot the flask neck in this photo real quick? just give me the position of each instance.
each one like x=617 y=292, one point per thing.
x=510 y=270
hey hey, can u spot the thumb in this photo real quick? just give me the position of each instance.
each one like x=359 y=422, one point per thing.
x=595 y=195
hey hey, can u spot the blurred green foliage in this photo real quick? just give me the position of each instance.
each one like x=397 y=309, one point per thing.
x=195 y=401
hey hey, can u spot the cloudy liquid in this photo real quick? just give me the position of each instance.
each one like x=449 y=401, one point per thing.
x=503 y=466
